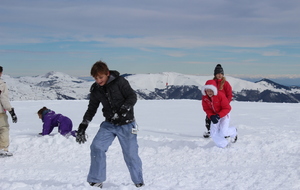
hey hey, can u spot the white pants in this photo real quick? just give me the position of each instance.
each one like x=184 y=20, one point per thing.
x=220 y=130
x=4 y=132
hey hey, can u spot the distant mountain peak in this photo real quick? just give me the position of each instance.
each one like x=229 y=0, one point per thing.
x=55 y=74
x=274 y=84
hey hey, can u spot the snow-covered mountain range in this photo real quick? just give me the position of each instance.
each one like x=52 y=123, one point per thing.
x=51 y=86
x=167 y=85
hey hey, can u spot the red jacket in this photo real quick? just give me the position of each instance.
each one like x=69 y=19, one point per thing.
x=227 y=89
x=217 y=104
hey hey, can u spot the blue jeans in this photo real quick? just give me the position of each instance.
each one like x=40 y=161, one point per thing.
x=128 y=142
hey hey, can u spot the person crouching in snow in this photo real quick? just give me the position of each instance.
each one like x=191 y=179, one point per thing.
x=51 y=120
x=217 y=108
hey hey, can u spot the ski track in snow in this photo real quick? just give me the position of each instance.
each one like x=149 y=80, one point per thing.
x=173 y=151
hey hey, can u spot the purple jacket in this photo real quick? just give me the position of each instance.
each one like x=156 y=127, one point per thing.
x=51 y=120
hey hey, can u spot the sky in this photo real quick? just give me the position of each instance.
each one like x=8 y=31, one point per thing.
x=248 y=38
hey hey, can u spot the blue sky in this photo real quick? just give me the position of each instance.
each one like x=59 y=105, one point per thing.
x=249 y=38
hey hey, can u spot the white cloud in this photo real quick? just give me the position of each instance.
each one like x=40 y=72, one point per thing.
x=194 y=24
x=204 y=32
x=273 y=53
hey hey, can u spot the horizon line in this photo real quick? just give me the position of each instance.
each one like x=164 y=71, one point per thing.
x=290 y=76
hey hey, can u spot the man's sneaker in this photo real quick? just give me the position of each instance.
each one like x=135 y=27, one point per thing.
x=100 y=185
x=5 y=153
x=206 y=134
x=139 y=185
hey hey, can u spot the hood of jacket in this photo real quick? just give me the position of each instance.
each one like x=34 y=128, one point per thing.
x=210 y=84
x=113 y=75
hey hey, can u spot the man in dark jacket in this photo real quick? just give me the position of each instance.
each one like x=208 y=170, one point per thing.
x=118 y=99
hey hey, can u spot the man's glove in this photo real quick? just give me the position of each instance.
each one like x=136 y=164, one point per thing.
x=116 y=119
x=80 y=137
x=124 y=110
x=120 y=115
x=13 y=115
x=215 y=118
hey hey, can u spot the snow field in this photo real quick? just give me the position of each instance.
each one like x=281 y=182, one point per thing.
x=173 y=151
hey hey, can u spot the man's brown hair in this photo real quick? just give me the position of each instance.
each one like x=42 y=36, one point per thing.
x=99 y=67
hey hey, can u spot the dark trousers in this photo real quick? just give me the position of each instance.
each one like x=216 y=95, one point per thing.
x=207 y=123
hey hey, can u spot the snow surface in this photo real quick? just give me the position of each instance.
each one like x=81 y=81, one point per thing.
x=173 y=151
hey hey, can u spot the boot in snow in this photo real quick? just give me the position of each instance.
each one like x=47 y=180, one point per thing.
x=206 y=134
x=5 y=153
x=100 y=185
x=234 y=139
x=139 y=185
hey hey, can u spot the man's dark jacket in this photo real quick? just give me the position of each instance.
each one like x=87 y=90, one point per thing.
x=116 y=93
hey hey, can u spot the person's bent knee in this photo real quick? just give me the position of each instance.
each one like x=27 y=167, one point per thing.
x=97 y=148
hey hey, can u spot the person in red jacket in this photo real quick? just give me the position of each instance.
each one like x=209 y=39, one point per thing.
x=224 y=87
x=217 y=108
